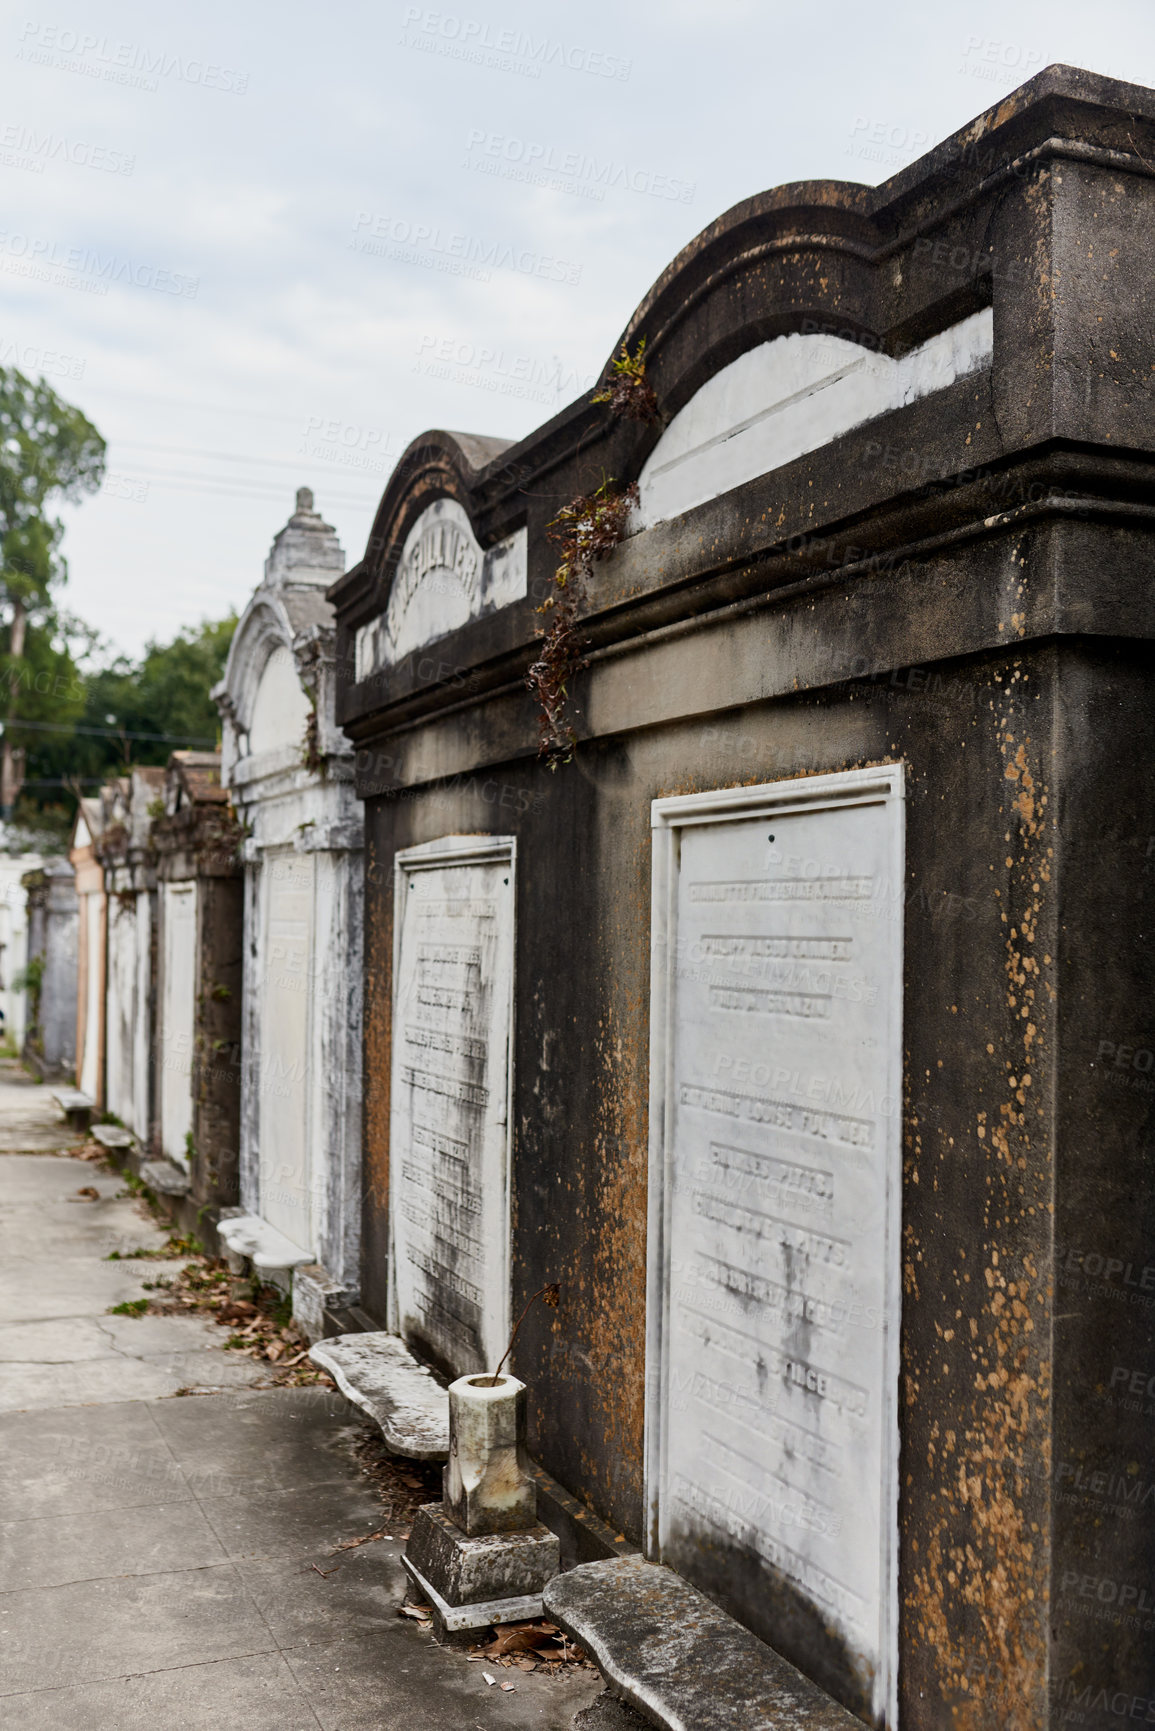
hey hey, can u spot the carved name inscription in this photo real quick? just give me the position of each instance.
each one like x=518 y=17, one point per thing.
x=778 y=1402
x=449 y=1141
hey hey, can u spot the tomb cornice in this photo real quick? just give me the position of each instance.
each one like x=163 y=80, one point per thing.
x=768 y=542
x=974 y=224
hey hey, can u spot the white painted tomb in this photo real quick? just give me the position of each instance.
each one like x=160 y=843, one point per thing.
x=130 y=890
x=14 y=945
x=774 y=1234
x=450 y=1102
x=288 y=769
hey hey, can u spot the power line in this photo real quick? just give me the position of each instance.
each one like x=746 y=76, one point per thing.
x=105 y=732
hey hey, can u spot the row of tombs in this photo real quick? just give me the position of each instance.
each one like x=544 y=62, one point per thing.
x=786 y=1007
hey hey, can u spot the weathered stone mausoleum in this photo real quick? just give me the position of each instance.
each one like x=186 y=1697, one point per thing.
x=288 y=768
x=200 y=912
x=783 y=1025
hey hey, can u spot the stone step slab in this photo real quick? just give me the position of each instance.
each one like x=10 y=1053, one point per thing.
x=112 y=1136
x=378 y=1373
x=249 y=1235
x=679 y=1660
x=163 y=1176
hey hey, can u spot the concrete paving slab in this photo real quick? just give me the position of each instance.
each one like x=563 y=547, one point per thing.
x=257 y=1693
x=35 y=1290
x=258 y=1523
x=302 y=1604
x=398 y=1680
x=64 y=1340
x=100 y=1629
x=53 y=1551
x=154 y=1336
x=45 y=1178
x=281 y=1439
x=29 y=1117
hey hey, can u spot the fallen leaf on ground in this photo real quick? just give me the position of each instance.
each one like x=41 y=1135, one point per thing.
x=509 y=1685
x=89 y=1193
x=518 y=1638
x=420 y=1613
x=490 y=1680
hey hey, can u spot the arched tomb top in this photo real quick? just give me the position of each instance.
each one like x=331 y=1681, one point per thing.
x=444 y=579
x=280 y=706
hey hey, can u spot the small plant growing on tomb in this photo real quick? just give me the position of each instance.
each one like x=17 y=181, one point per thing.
x=312 y=756
x=585 y=530
x=551 y=1296
x=629 y=393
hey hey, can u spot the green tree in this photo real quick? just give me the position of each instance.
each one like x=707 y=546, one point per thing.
x=135 y=712
x=49 y=451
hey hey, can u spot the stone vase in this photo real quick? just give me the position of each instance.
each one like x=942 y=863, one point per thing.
x=486 y=1488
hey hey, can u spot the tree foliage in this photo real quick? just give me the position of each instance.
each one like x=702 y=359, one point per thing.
x=48 y=451
x=165 y=695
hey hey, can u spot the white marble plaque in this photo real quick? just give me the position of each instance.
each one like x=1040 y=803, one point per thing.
x=775 y=1209
x=286 y=890
x=449 y=1138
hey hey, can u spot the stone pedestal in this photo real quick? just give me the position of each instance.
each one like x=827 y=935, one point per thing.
x=481 y=1556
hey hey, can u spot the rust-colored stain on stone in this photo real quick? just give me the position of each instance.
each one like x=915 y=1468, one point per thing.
x=985 y=1555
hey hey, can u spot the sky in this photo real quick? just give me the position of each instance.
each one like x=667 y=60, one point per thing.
x=266 y=246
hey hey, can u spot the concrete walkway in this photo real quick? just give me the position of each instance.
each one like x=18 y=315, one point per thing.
x=174 y=1560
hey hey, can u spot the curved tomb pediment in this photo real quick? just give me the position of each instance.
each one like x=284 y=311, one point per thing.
x=444 y=579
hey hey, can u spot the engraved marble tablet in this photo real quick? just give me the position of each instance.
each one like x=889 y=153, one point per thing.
x=774 y=1235
x=449 y=1140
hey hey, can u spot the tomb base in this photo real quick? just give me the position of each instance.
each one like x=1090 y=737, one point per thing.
x=471 y=1583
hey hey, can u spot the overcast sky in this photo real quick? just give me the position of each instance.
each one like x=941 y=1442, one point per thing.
x=266 y=245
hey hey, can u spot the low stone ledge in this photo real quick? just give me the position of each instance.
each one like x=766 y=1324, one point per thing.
x=680 y=1661
x=378 y=1373
x=112 y=1136
x=77 y=1107
x=163 y=1176
x=249 y=1235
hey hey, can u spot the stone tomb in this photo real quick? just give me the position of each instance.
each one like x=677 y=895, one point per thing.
x=290 y=775
x=453 y=1002
x=772 y=1422
x=130 y=893
x=197 y=1032
x=892 y=512
x=53 y=934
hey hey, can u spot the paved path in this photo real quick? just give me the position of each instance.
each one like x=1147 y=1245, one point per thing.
x=29 y=1117
x=172 y=1560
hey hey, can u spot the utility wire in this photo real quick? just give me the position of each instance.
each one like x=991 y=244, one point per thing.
x=104 y=732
